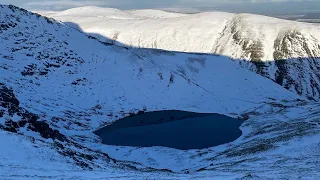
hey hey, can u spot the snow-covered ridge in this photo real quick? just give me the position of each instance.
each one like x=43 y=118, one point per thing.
x=57 y=86
x=112 y=13
x=239 y=36
x=234 y=35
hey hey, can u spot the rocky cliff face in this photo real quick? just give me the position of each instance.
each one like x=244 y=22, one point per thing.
x=296 y=63
x=288 y=55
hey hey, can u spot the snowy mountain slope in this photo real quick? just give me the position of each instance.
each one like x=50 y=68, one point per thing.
x=111 y=13
x=152 y=13
x=238 y=36
x=233 y=35
x=58 y=86
x=25 y=158
x=97 y=12
x=69 y=61
x=176 y=34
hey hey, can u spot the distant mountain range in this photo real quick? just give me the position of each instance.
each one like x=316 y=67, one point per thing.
x=313 y=17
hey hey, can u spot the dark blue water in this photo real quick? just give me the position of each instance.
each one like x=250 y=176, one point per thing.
x=175 y=129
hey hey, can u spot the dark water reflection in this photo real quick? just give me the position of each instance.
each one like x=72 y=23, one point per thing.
x=175 y=129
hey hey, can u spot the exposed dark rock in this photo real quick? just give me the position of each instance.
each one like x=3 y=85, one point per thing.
x=1 y=113
x=45 y=131
x=10 y=102
x=81 y=81
x=251 y=150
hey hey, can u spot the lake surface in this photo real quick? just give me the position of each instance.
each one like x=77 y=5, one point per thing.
x=175 y=129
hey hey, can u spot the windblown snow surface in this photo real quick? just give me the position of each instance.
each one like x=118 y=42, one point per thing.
x=58 y=85
x=285 y=51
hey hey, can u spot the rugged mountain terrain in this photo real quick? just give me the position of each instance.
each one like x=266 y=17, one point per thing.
x=58 y=85
x=285 y=51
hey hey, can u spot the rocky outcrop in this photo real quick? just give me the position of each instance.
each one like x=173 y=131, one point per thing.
x=10 y=107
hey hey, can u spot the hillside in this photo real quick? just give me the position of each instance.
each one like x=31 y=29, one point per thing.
x=262 y=40
x=58 y=85
x=238 y=36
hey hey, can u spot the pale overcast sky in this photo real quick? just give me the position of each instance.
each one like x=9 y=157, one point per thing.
x=250 y=6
